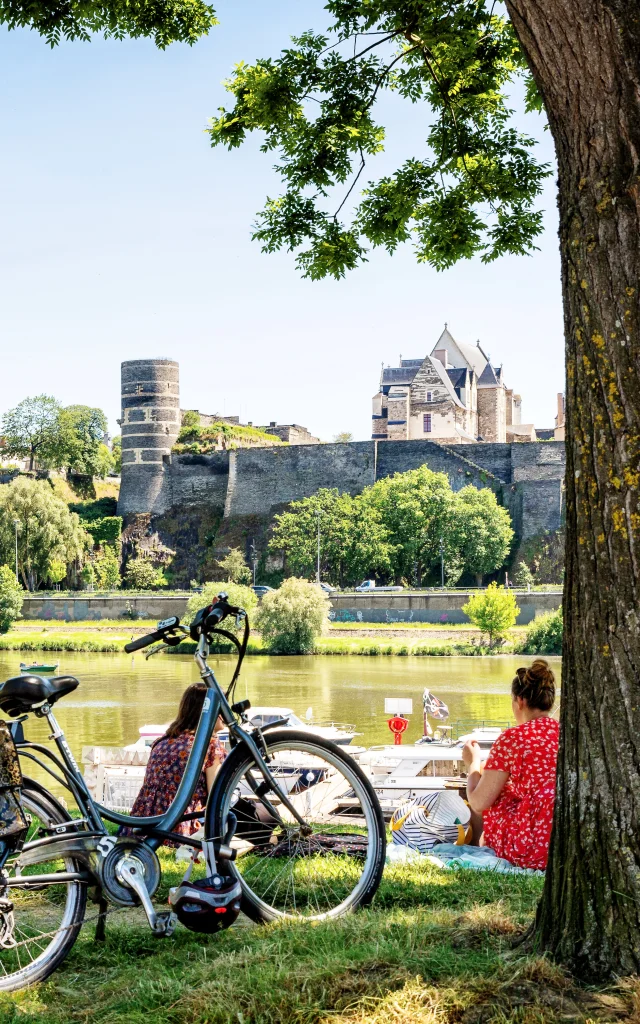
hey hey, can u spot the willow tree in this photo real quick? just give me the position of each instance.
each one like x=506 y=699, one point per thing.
x=471 y=188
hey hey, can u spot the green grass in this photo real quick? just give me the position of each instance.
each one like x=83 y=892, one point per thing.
x=434 y=949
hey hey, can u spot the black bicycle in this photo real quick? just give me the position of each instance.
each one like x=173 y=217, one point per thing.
x=292 y=828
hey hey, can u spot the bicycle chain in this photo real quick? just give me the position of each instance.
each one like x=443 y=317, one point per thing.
x=69 y=927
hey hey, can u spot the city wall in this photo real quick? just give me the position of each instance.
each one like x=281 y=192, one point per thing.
x=527 y=477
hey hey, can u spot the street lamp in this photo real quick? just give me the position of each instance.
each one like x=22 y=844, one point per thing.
x=16 y=523
x=254 y=560
x=441 y=562
x=318 y=560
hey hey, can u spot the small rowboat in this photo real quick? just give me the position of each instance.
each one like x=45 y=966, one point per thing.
x=39 y=667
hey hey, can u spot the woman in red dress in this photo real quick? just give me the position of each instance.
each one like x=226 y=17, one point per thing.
x=512 y=797
x=168 y=760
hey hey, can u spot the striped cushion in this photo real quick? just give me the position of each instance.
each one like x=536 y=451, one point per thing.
x=426 y=821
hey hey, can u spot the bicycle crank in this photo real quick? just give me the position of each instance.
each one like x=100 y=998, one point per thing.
x=130 y=872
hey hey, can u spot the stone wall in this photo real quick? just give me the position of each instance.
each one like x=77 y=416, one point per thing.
x=409 y=606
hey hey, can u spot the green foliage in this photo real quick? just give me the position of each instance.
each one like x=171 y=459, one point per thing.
x=523 y=577
x=239 y=596
x=544 y=554
x=32 y=430
x=234 y=567
x=11 y=597
x=107 y=569
x=141 y=574
x=190 y=418
x=87 y=574
x=343 y=437
x=353 y=541
x=173 y=21
x=494 y=612
x=105 y=531
x=56 y=572
x=196 y=440
x=99 y=519
x=116 y=452
x=82 y=432
x=471 y=189
x=47 y=530
x=544 y=635
x=291 y=618
x=481 y=531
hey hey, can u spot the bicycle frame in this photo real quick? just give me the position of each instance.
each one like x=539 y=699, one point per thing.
x=95 y=814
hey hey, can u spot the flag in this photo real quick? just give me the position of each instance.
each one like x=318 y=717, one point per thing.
x=434 y=707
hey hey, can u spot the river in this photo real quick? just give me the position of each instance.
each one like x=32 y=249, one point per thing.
x=118 y=693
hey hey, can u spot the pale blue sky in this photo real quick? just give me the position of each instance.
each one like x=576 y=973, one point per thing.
x=125 y=236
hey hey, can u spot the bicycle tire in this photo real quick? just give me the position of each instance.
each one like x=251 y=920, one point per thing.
x=37 y=801
x=220 y=803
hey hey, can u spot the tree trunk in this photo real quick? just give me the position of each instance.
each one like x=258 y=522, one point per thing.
x=585 y=57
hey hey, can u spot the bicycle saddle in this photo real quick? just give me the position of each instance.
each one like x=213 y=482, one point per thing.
x=22 y=693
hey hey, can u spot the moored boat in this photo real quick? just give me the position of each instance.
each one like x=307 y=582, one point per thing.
x=39 y=667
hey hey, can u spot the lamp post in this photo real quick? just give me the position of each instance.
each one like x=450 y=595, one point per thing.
x=441 y=562
x=318 y=558
x=254 y=560
x=16 y=523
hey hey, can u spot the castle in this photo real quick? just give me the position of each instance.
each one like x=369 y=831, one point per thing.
x=453 y=396
x=196 y=505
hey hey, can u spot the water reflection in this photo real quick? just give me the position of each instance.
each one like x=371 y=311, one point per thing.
x=119 y=693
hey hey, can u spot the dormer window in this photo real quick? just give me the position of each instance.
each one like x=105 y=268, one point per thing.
x=429 y=396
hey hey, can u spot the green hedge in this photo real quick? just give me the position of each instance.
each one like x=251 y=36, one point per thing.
x=544 y=635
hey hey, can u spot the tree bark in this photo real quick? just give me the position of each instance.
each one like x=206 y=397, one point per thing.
x=585 y=57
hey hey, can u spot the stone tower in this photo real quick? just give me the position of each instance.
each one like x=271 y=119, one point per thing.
x=150 y=424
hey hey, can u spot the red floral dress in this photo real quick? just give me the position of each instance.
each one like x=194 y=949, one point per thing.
x=518 y=826
x=165 y=769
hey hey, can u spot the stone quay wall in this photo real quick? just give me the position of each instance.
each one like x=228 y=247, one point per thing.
x=527 y=477
x=408 y=606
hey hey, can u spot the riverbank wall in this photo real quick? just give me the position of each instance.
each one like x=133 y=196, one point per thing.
x=408 y=606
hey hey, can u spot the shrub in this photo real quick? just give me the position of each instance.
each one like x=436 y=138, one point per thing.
x=141 y=574
x=544 y=635
x=240 y=596
x=523 y=577
x=107 y=569
x=88 y=575
x=292 y=618
x=234 y=567
x=56 y=572
x=494 y=612
x=11 y=595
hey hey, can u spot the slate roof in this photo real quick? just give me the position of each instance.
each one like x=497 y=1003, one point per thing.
x=400 y=374
x=412 y=362
x=488 y=378
x=457 y=376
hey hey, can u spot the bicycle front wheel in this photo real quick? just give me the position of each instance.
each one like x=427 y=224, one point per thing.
x=323 y=869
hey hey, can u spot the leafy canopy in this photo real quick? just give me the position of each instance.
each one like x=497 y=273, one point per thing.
x=494 y=612
x=11 y=596
x=472 y=183
x=165 y=22
x=291 y=618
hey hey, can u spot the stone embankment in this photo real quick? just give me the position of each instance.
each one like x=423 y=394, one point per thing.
x=408 y=606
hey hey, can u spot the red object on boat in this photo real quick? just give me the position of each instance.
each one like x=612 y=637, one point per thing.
x=398 y=725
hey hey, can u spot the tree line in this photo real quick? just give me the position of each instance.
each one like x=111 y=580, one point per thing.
x=52 y=436
x=402 y=528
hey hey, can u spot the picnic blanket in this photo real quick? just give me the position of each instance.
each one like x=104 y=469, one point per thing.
x=451 y=857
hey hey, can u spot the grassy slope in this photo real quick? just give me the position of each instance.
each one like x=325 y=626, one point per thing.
x=434 y=950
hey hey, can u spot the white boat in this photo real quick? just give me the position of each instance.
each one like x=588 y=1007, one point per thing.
x=257 y=718
x=402 y=772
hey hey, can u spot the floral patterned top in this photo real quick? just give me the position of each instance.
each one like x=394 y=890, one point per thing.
x=165 y=769
x=518 y=826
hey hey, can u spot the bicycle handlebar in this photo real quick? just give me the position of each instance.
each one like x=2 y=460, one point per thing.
x=164 y=630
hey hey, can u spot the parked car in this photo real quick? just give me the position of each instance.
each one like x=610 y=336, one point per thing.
x=260 y=590
x=328 y=589
x=368 y=585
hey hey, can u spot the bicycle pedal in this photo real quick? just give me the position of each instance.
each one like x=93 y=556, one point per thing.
x=165 y=924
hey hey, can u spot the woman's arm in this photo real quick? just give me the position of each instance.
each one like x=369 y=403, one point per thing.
x=211 y=772
x=483 y=786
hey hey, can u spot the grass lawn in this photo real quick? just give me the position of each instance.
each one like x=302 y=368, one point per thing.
x=435 y=949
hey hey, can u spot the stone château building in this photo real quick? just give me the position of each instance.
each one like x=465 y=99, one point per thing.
x=454 y=396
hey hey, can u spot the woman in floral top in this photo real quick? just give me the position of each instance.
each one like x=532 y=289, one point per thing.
x=168 y=760
x=512 y=798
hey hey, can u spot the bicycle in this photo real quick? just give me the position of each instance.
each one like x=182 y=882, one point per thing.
x=292 y=827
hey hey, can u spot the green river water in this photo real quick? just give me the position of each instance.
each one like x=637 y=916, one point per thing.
x=118 y=693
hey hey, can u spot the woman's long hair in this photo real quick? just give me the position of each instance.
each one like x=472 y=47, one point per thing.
x=536 y=685
x=189 y=710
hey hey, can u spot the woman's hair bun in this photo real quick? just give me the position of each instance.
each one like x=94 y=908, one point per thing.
x=536 y=685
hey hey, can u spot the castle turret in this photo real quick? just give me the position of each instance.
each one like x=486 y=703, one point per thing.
x=150 y=425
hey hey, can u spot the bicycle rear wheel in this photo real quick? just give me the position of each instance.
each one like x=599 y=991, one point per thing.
x=39 y=926
x=324 y=870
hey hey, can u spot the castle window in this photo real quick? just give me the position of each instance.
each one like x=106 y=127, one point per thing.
x=429 y=396
x=426 y=423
